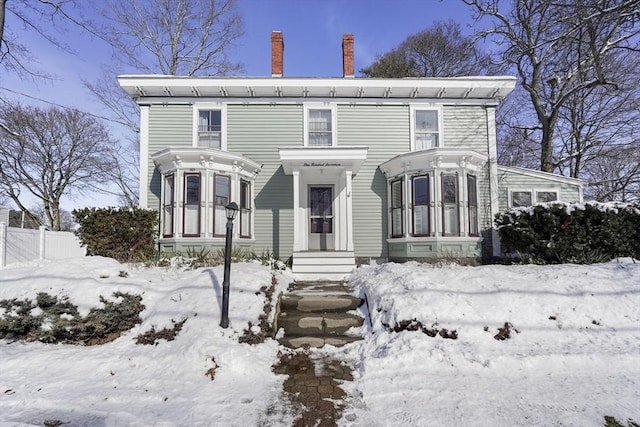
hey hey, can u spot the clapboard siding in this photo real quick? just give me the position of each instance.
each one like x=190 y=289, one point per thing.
x=385 y=130
x=257 y=131
x=169 y=126
x=510 y=180
x=465 y=127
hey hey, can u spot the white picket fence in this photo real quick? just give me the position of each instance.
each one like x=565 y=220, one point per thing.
x=21 y=245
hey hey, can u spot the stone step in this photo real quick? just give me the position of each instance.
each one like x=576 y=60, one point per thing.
x=318 y=324
x=319 y=302
x=317 y=342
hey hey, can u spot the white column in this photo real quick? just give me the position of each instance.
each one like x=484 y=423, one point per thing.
x=297 y=224
x=493 y=175
x=144 y=157
x=348 y=177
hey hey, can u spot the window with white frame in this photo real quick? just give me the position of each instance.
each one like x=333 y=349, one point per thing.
x=472 y=205
x=421 y=205
x=546 y=196
x=397 y=226
x=425 y=128
x=221 y=198
x=168 y=205
x=319 y=125
x=191 y=205
x=529 y=197
x=450 y=208
x=210 y=128
x=245 y=208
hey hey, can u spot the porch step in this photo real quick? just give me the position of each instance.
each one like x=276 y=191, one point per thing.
x=318 y=313
x=329 y=265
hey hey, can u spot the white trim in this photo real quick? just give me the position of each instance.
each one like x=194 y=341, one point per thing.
x=413 y=108
x=320 y=106
x=143 y=189
x=207 y=106
x=322 y=158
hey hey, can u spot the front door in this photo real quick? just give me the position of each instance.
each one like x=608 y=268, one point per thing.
x=321 y=218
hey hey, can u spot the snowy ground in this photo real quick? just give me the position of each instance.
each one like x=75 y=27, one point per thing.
x=574 y=359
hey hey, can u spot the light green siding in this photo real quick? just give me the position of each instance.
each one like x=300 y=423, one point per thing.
x=169 y=126
x=257 y=131
x=385 y=130
x=465 y=126
x=509 y=180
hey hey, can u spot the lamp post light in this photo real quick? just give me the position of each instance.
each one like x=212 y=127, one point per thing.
x=231 y=211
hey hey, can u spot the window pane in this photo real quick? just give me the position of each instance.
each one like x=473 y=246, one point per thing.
x=427 y=120
x=421 y=220
x=426 y=140
x=320 y=128
x=191 y=205
x=396 y=208
x=473 y=205
x=192 y=190
x=167 y=228
x=521 y=198
x=245 y=209
x=546 y=196
x=209 y=128
x=320 y=201
x=420 y=190
x=450 y=214
x=219 y=220
x=449 y=189
x=222 y=190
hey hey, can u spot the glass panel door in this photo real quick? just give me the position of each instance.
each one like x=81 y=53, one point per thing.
x=320 y=218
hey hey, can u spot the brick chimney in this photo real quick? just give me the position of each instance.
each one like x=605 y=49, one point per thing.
x=347 y=56
x=277 y=54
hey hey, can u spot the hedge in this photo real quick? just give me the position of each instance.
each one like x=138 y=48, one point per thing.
x=580 y=233
x=125 y=234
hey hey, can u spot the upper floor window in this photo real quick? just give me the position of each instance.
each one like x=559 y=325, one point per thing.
x=209 y=123
x=320 y=126
x=425 y=128
x=210 y=128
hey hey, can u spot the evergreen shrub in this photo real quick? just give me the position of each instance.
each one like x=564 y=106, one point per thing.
x=125 y=234
x=581 y=233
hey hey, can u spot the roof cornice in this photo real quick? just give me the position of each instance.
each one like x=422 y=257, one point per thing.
x=151 y=86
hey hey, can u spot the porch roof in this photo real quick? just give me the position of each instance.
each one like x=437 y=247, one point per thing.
x=309 y=158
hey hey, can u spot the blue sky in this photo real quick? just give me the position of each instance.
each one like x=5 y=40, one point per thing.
x=312 y=32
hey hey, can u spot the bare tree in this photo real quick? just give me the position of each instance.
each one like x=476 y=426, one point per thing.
x=560 y=50
x=439 y=51
x=173 y=37
x=46 y=153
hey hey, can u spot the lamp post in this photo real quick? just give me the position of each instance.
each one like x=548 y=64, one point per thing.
x=231 y=211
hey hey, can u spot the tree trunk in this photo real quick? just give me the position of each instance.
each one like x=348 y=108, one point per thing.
x=546 y=148
x=2 y=13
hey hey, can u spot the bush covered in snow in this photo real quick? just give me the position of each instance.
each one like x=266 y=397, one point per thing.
x=581 y=233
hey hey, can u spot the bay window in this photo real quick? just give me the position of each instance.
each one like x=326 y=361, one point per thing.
x=421 y=205
x=191 y=205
